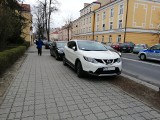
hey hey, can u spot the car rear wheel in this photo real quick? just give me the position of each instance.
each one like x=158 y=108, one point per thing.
x=142 y=56
x=64 y=60
x=79 y=69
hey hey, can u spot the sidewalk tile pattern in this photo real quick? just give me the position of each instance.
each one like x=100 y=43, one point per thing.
x=44 y=89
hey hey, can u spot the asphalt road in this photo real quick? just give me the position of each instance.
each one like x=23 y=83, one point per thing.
x=148 y=71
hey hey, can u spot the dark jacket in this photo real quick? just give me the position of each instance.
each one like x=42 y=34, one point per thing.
x=39 y=44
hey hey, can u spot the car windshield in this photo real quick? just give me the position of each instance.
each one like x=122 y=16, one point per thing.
x=108 y=47
x=91 y=46
x=61 y=44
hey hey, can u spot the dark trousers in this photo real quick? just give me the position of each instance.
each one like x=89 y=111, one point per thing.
x=39 y=51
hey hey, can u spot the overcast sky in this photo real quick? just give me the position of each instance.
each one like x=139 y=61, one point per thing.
x=67 y=8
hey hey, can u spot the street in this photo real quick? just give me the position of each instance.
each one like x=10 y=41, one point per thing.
x=45 y=89
x=144 y=70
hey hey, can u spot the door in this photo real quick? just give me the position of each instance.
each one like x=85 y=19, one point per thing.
x=154 y=52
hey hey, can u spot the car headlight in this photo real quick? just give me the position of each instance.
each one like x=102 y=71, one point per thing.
x=92 y=60
x=60 y=51
x=118 y=60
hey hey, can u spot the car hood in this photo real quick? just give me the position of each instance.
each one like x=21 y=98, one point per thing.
x=100 y=54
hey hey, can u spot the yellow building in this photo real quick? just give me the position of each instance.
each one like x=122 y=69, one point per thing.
x=27 y=31
x=119 y=21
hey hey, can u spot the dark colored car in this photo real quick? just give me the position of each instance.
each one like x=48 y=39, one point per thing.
x=116 y=46
x=48 y=44
x=56 y=49
x=126 y=47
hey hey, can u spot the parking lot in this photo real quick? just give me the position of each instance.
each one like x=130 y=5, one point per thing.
x=45 y=89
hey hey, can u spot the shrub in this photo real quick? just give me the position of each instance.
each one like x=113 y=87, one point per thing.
x=27 y=44
x=8 y=57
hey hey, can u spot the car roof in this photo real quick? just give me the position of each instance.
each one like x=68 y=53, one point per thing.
x=82 y=40
x=61 y=41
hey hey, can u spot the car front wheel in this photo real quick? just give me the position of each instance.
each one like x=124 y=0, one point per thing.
x=142 y=57
x=79 y=69
x=64 y=60
x=56 y=56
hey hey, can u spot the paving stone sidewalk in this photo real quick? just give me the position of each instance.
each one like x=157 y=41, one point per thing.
x=44 y=89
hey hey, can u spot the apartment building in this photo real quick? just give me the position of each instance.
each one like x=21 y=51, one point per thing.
x=118 y=21
x=27 y=31
x=63 y=33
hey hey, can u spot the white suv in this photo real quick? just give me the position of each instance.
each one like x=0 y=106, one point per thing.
x=91 y=57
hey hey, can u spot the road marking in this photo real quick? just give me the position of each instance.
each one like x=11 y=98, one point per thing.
x=141 y=62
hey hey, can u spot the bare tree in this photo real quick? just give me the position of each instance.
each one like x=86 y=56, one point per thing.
x=68 y=25
x=47 y=8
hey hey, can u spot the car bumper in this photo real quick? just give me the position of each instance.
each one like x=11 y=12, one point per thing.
x=102 y=69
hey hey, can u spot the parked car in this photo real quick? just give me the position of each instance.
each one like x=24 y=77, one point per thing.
x=45 y=41
x=113 y=50
x=91 y=57
x=126 y=47
x=151 y=53
x=48 y=44
x=56 y=49
x=139 y=47
x=116 y=46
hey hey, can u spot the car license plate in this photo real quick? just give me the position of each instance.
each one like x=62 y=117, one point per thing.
x=124 y=48
x=108 y=68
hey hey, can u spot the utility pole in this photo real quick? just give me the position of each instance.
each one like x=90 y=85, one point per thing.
x=126 y=21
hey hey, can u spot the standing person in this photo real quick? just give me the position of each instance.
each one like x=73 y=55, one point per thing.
x=39 y=44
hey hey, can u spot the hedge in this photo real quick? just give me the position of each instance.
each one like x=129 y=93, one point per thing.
x=27 y=44
x=8 y=57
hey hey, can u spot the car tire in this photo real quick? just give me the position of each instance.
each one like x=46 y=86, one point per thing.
x=142 y=56
x=51 y=53
x=79 y=70
x=56 y=56
x=64 y=61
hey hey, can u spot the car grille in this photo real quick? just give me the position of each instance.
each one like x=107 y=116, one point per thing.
x=107 y=61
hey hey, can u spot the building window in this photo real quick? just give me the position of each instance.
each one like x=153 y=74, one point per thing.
x=96 y=38
x=104 y=15
x=120 y=24
x=111 y=12
x=97 y=27
x=102 y=39
x=90 y=9
x=87 y=21
x=119 y=39
x=90 y=19
x=103 y=27
x=110 y=39
x=97 y=17
x=84 y=21
x=121 y=9
x=111 y=25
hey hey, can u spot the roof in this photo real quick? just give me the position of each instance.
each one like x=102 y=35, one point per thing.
x=54 y=32
x=26 y=7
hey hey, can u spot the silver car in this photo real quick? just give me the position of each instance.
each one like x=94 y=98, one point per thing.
x=151 y=53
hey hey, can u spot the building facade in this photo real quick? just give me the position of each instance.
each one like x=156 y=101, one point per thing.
x=63 y=33
x=27 y=31
x=118 y=21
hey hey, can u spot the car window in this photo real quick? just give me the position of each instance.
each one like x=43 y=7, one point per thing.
x=61 y=44
x=91 y=46
x=71 y=44
x=156 y=47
